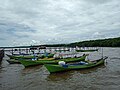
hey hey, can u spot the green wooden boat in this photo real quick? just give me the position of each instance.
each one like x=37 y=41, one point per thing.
x=59 y=68
x=17 y=61
x=91 y=50
x=20 y=56
x=28 y=63
x=13 y=61
x=28 y=56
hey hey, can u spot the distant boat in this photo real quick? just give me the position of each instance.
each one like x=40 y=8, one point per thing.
x=84 y=65
x=89 y=50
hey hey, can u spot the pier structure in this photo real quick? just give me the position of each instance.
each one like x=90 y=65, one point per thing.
x=41 y=49
x=1 y=54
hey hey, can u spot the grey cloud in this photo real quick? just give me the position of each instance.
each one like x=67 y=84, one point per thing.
x=2 y=39
x=62 y=21
x=98 y=1
x=10 y=30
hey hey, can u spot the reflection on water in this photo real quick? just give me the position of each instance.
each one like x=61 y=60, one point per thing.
x=60 y=76
x=104 y=77
x=90 y=70
x=30 y=70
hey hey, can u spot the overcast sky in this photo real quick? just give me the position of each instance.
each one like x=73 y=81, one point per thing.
x=28 y=22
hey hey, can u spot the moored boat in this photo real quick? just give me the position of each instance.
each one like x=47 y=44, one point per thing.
x=28 y=56
x=13 y=61
x=17 y=61
x=28 y=63
x=59 y=68
x=20 y=56
x=89 y=50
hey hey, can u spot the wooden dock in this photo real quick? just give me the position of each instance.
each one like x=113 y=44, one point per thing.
x=1 y=55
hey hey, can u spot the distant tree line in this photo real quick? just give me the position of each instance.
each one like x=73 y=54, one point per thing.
x=111 y=42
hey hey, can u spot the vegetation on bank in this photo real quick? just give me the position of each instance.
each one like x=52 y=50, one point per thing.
x=111 y=42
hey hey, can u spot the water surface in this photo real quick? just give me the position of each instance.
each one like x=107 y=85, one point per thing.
x=104 y=77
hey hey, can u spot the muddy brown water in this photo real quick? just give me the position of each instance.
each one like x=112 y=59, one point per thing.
x=104 y=77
